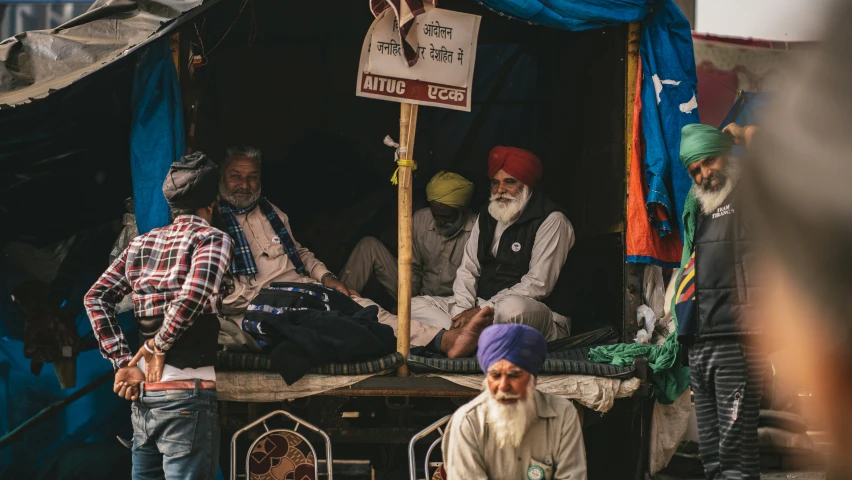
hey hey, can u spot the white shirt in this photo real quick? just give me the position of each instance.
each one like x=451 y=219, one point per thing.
x=552 y=448
x=553 y=241
x=171 y=373
x=434 y=257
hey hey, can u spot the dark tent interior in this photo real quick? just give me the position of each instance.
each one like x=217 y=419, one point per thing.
x=287 y=86
x=281 y=76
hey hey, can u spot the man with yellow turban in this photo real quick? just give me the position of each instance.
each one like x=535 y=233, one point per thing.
x=714 y=289
x=439 y=234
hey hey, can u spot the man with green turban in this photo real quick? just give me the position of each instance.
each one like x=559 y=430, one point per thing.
x=713 y=289
x=705 y=152
x=439 y=234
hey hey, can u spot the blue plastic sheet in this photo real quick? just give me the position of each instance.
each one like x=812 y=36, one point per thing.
x=572 y=14
x=156 y=134
x=97 y=417
x=669 y=83
x=746 y=111
x=157 y=140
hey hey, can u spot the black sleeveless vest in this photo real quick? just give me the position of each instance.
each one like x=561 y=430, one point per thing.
x=195 y=348
x=724 y=282
x=514 y=252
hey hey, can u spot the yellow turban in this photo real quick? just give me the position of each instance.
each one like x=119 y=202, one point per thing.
x=450 y=189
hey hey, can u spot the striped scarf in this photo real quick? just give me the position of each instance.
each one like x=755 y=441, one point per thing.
x=684 y=305
x=242 y=262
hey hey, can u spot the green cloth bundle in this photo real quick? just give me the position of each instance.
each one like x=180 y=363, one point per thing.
x=669 y=378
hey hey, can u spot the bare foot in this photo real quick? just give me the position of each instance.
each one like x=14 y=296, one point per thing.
x=465 y=342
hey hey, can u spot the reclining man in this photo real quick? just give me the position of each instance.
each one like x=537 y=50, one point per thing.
x=264 y=248
x=511 y=262
x=439 y=234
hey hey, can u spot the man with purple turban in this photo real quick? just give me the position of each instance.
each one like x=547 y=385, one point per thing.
x=511 y=430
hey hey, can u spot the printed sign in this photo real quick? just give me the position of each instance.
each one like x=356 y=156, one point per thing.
x=443 y=74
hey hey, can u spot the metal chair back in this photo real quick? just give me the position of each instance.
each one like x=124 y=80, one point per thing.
x=412 y=460
x=281 y=451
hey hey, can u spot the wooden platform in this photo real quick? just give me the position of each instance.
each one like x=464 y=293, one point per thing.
x=391 y=386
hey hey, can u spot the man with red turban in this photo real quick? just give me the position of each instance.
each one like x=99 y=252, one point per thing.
x=510 y=265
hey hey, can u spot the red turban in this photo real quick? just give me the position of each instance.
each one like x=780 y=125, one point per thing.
x=521 y=164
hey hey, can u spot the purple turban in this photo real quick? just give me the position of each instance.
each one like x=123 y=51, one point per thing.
x=522 y=345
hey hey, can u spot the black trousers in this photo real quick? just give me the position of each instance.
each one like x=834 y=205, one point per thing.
x=727 y=377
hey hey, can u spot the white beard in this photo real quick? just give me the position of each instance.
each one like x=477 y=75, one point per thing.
x=509 y=422
x=509 y=212
x=711 y=200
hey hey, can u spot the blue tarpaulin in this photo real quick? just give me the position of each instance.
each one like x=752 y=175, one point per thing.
x=747 y=108
x=97 y=417
x=669 y=83
x=156 y=140
x=156 y=134
x=746 y=111
x=571 y=14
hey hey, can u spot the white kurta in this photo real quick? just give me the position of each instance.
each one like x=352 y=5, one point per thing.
x=552 y=448
x=520 y=303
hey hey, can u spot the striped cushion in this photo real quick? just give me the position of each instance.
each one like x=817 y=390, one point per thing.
x=579 y=354
x=442 y=365
x=259 y=361
x=585 y=367
x=601 y=336
x=566 y=362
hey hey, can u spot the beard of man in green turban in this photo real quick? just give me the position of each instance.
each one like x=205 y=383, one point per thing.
x=706 y=154
x=718 y=177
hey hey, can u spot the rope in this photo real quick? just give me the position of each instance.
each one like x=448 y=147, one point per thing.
x=399 y=163
x=738 y=93
x=402 y=163
x=205 y=54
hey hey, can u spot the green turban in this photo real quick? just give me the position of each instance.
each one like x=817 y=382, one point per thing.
x=451 y=189
x=698 y=142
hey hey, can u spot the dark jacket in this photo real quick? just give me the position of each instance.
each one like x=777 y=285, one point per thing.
x=514 y=252
x=725 y=282
x=305 y=326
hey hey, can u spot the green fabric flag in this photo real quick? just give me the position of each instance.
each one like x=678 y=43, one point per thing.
x=669 y=378
x=691 y=210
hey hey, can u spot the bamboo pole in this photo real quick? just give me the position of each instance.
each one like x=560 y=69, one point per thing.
x=174 y=46
x=407 y=128
x=630 y=73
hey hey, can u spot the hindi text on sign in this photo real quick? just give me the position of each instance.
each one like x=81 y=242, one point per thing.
x=446 y=54
x=444 y=93
x=435 y=29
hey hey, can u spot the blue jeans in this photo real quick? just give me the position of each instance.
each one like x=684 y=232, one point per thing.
x=175 y=435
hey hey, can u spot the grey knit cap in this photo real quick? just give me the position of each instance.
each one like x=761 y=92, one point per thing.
x=192 y=182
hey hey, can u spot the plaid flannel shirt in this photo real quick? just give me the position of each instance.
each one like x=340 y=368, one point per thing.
x=176 y=271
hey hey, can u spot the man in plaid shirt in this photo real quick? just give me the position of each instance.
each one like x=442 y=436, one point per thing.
x=175 y=275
